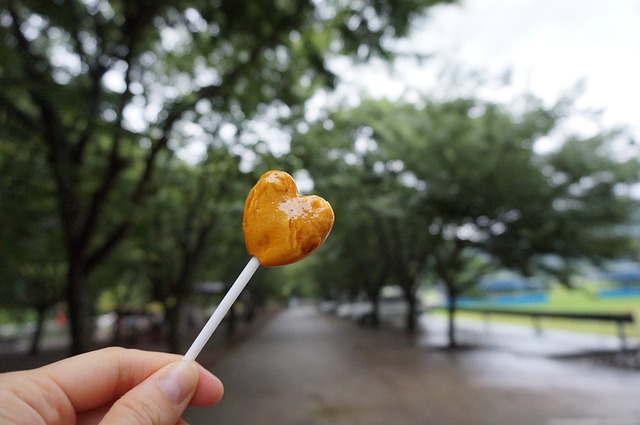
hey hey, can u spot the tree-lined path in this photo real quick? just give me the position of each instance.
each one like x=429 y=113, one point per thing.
x=309 y=368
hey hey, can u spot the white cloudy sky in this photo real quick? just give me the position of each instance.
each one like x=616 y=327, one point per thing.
x=549 y=45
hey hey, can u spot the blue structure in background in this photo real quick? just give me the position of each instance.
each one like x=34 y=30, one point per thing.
x=619 y=292
x=506 y=289
x=626 y=276
x=511 y=289
x=623 y=272
x=505 y=300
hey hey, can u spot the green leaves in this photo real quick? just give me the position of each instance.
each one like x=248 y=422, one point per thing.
x=465 y=172
x=103 y=93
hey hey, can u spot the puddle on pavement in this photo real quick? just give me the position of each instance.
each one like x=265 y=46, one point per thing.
x=549 y=350
x=620 y=359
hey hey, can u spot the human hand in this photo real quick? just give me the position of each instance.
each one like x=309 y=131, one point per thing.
x=109 y=386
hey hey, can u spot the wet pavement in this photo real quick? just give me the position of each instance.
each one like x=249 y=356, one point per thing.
x=306 y=367
x=520 y=338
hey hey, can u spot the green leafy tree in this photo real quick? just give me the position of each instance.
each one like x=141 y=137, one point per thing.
x=228 y=255
x=31 y=267
x=487 y=189
x=378 y=209
x=583 y=210
x=36 y=286
x=104 y=86
x=352 y=248
x=177 y=224
x=467 y=191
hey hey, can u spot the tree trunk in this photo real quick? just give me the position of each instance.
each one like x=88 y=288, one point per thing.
x=410 y=321
x=375 y=313
x=249 y=306
x=451 y=331
x=35 y=341
x=410 y=318
x=78 y=307
x=411 y=314
x=173 y=317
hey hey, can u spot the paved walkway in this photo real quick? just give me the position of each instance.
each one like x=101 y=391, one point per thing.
x=308 y=368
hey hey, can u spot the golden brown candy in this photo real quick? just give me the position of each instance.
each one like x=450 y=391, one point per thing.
x=280 y=227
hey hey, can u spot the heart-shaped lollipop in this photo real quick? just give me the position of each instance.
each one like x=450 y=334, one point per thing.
x=280 y=227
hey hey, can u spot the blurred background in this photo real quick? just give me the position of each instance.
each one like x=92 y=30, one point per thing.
x=482 y=159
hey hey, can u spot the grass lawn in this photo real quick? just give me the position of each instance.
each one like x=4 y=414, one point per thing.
x=576 y=300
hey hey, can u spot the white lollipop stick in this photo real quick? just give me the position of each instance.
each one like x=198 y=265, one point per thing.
x=222 y=309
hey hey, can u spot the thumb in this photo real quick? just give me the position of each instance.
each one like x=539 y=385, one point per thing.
x=158 y=400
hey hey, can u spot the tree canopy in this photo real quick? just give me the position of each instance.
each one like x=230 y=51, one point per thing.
x=104 y=92
x=124 y=127
x=453 y=189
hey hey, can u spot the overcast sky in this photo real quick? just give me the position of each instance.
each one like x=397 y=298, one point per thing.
x=549 y=45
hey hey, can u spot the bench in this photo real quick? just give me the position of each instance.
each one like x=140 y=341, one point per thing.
x=621 y=319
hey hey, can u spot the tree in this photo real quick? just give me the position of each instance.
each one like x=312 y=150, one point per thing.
x=228 y=255
x=582 y=211
x=177 y=224
x=469 y=191
x=476 y=162
x=103 y=87
x=31 y=267
x=380 y=213
x=489 y=191
x=33 y=286
x=353 y=251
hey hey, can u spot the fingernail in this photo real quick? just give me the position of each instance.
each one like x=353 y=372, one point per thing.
x=178 y=381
